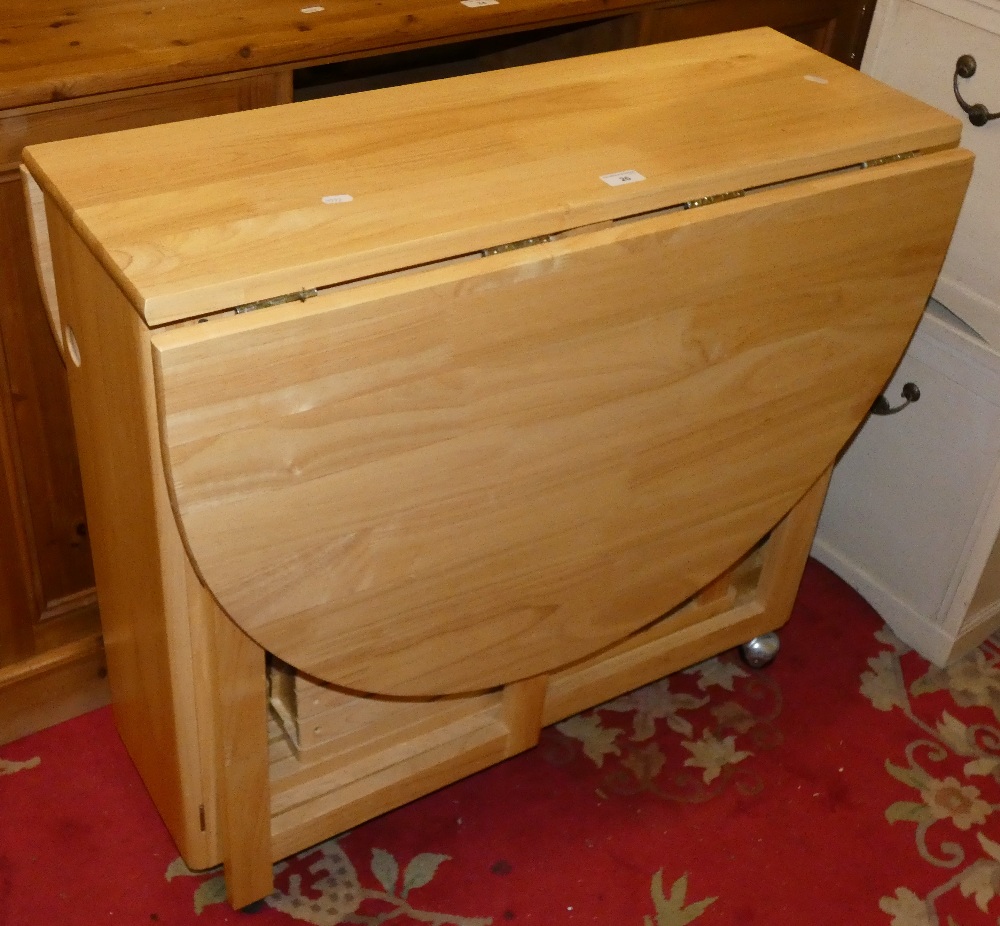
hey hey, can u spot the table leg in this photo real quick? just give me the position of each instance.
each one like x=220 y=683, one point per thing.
x=240 y=695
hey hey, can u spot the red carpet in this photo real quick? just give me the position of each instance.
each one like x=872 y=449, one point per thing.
x=846 y=784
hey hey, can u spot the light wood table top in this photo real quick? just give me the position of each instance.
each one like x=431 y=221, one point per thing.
x=219 y=212
x=458 y=465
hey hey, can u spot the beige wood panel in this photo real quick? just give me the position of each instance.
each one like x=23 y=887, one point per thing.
x=522 y=712
x=480 y=472
x=698 y=630
x=334 y=796
x=244 y=796
x=41 y=249
x=361 y=721
x=326 y=791
x=205 y=215
x=155 y=653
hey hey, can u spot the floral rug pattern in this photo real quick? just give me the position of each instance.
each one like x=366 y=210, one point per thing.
x=689 y=738
x=715 y=715
x=953 y=768
x=10 y=768
x=321 y=886
x=720 y=712
x=849 y=782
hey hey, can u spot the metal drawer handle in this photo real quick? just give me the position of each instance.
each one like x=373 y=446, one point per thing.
x=965 y=67
x=911 y=392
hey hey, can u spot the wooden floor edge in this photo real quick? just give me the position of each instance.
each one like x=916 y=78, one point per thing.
x=51 y=687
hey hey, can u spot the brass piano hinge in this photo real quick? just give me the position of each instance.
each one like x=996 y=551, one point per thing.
x=515 y=245
x=714 y=198
x=300 y=296
x=888 y=159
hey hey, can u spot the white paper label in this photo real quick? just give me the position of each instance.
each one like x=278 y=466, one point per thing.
x=817 y=80
x=474 y=3
x=622 y=177
x=312 y=9
x=339 y=198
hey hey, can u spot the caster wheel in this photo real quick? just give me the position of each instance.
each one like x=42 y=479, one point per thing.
x=759 y=651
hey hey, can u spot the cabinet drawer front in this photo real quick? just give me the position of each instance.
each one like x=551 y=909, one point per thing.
x=474 y=473
x=32 y=125
x=914 y=46
x=906 y=497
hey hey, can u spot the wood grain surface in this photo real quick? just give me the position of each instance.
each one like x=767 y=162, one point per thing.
x=452 y=471
x=52 y=51
x=52 y=497
x=114 y=112
x=153 y=608
x=464 y=476
x=214 y=213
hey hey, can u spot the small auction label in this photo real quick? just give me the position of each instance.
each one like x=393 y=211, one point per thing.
x=622 y=177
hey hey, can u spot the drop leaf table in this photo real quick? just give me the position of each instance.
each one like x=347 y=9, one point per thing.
x=413 y=420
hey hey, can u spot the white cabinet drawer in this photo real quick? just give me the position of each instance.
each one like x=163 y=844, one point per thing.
x=914 y=45
x=911 y=513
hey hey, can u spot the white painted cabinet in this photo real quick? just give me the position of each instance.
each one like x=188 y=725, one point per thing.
x=913 y=512
x=915 y=46
x=914 y=506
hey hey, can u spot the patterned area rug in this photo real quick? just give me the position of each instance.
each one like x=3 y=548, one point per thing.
x=847 y=783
